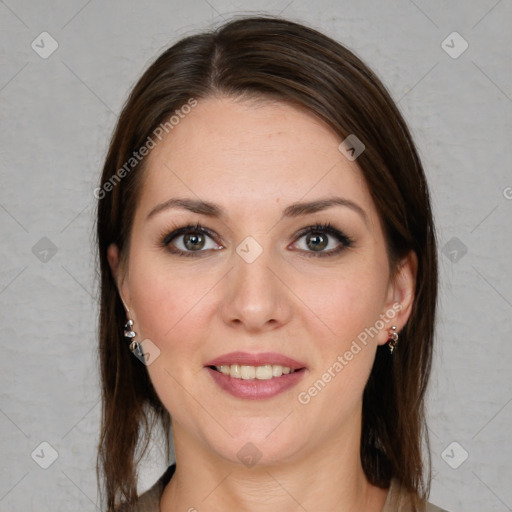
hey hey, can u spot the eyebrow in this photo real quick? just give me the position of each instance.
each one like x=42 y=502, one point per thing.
x=294 y=210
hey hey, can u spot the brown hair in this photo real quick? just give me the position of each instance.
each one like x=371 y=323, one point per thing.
x=269 y=57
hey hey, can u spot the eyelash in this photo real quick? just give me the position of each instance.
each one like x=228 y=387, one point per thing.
x=320 y=228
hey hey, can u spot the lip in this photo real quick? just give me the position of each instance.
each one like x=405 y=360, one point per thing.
x=256 y=389
x=256 y=359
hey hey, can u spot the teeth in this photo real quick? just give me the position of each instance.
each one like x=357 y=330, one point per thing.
x=264 y=372
x=224 y=369
x=248 y=372
x=245 y=372
x=235 y=371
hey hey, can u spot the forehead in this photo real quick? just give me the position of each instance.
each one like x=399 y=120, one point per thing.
x=250 y=153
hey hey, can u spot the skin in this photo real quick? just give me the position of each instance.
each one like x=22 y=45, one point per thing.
x=254 y=159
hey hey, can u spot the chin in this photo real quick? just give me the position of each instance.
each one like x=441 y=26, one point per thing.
x=256 y=444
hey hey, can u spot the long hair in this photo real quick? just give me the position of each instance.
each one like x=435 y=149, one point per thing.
x=269 y=57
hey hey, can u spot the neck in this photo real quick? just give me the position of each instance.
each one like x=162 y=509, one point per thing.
x=328 y=478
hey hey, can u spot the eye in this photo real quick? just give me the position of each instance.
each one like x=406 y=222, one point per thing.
x=193 y=240
x=320 y=236
x=190 y=240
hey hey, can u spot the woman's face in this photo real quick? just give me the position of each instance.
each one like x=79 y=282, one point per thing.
x=256 y=289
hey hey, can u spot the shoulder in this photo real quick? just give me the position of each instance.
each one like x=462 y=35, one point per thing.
x=399 y=500
x=149 y=501
x=434 y=508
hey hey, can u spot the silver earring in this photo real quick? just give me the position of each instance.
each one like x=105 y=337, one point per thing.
x=393 y=339
x=130 y=334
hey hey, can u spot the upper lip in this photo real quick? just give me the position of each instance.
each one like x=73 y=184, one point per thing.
x=256 y=359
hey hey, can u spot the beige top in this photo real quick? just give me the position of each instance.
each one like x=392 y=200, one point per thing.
x=149 y=501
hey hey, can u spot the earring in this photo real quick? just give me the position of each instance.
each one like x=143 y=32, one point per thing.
x=393 y=339
x=130 y=334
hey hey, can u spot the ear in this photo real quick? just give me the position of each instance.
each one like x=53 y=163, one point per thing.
x=400 y=297
x=114 y=261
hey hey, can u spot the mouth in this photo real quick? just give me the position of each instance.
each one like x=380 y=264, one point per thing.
x=255 y=376
x=247 y=372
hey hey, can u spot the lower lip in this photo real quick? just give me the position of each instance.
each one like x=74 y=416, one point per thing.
x=256 y=389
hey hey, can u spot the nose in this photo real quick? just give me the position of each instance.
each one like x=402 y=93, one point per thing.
x=256 y=297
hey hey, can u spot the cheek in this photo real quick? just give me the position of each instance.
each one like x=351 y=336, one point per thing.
x=348 y=307
x=347 y=302
x=171 y=310
x=167 y=303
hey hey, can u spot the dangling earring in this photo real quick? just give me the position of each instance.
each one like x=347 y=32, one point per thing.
x=393 y=339
x=130 y=334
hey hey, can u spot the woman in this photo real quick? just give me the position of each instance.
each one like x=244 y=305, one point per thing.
x=268 y=254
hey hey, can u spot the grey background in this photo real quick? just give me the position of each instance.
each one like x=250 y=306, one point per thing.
x=57 y=116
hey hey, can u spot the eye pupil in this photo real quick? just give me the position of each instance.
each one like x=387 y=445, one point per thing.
x=196 y=241
x=319 y=241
